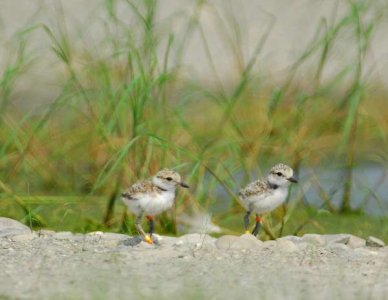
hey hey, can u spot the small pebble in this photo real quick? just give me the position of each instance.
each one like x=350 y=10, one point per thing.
x=178 y=243
x=227 y=242
x=355 y=242
x=286 y=246
x=315 y=239
x=337 y=247
x=98 y=233
x=269 y=244
x=337 y=238
x=371 y=241
x=23 y=238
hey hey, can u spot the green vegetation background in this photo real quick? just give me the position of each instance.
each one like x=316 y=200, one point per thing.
x=126 y=110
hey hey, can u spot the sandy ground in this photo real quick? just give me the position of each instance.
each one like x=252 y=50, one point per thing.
x=62 y=265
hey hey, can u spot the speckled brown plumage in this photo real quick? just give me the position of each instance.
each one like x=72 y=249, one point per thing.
x=258 y=187
x=141 y=187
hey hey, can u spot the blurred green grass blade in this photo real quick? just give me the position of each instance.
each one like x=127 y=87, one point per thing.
x=113 y=164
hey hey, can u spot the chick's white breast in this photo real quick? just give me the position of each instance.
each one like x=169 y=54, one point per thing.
x=150 y=204
x=270 y=202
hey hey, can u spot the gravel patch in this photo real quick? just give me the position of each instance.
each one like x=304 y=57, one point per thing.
x=98 y=265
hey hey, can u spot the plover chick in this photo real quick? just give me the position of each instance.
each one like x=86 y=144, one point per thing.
x=264 y=195
x=151 y=197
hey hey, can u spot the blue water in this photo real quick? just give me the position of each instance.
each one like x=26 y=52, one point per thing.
x=369 y=188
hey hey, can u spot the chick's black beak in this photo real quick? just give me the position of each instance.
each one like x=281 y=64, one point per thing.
x=185 y=185
x=293 y=179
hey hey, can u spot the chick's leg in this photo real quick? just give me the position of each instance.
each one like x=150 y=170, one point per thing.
x=257 y=225
x=246 y=221
x=151 y=225
x=146 y=237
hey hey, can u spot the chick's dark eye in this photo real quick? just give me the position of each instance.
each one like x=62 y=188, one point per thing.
x=169 y=178
x=279 y=174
